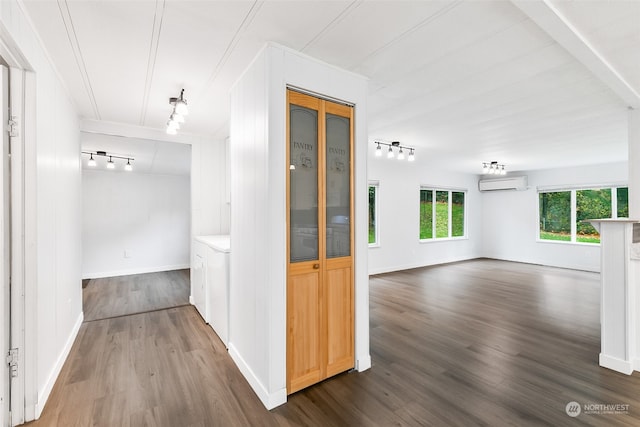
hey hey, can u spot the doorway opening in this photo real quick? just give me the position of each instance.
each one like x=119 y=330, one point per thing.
x=136 y=226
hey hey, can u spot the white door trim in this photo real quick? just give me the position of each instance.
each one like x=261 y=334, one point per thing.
x=16 y=141
x=5 y=253
x=22 y=91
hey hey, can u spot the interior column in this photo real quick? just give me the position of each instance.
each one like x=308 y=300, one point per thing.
x=634 y=163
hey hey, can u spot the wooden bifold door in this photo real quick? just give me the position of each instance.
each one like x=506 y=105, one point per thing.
x=320 y=305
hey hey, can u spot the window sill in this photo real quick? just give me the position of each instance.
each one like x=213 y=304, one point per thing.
x=567 y=242
x=443 y=239
x=374 y=245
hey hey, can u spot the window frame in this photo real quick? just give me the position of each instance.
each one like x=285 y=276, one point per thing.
x=574 y=208
x=450 y=190
x=376 y=209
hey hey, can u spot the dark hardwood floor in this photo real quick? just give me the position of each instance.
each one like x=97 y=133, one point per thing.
x=481 y=342
x=137 y=293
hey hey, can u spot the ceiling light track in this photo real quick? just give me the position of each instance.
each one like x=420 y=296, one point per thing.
x=177 y=115
x=110 y=163
x=391 y=153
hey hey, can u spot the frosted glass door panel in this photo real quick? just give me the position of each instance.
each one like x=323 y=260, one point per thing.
x=303 y=168
x=338 y=186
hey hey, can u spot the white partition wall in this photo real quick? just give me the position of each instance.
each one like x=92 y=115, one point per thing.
x=47 y=151
x=633 y=136
x=618 y=303
x=257 y=324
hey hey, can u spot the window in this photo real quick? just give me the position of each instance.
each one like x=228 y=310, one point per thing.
x=561 y=213
x=373 y=214
x=457 y=213
x=426 y=214
x=591 y=204
x=622 y=202
x=442 y=214
x=555 y=216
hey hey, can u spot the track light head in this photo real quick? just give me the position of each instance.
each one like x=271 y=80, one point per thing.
x=175 y=117
x=173 y=124
x=180 y=104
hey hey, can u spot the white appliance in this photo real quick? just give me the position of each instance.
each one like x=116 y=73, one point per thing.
x=508 y=183
x=198 y=278
x=215 y=310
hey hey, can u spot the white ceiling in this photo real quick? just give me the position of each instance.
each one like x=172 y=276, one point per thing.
x=530 y=84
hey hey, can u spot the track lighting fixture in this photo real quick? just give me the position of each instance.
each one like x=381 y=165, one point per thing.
x=110 y=163
x=391 y=154
x=493 y=168
x=177 y=115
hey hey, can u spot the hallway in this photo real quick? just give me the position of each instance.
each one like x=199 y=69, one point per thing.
x=123 y=295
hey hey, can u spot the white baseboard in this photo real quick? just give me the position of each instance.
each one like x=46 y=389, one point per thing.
x=364 y=363
x=615 y=364
x=191 y=300
x=45 y=391
x=128 y=272
x=382 y=270
x=546 y=263
x=269 y=400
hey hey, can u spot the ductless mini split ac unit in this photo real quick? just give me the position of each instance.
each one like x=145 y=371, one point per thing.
x=507 y=183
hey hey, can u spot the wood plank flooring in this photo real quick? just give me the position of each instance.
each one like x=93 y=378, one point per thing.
x=138 y=293
x=481 y=342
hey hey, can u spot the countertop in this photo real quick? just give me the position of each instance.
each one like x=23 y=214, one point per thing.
x=219 y=242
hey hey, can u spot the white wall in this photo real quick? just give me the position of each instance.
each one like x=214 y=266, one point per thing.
x=59 y=291
x=210 y=207
x=257 y=336
x=634 y=163
x=510 y=219
x=53 y=191
x=145 y=215
x=399 y=215
x=210 y=210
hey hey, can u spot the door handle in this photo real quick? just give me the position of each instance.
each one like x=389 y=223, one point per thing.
x=316 y=266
